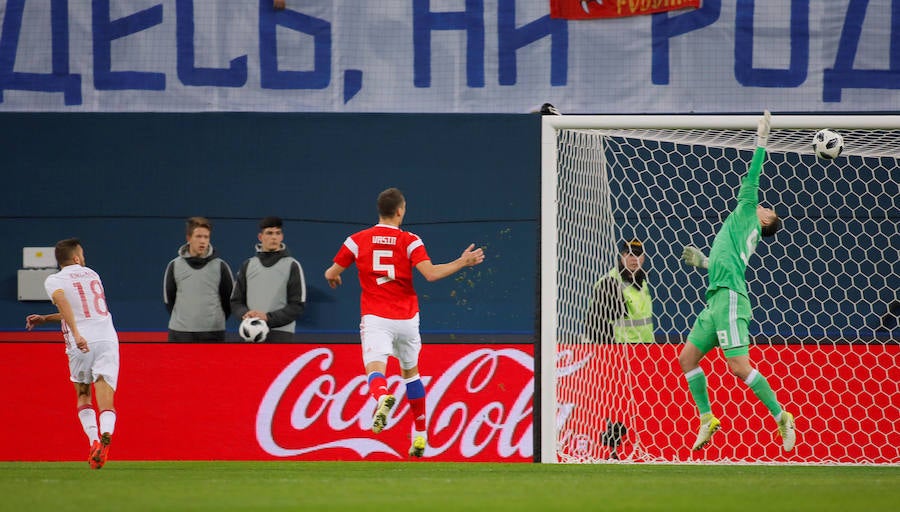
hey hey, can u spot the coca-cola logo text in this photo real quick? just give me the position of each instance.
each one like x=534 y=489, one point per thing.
x=482 y=401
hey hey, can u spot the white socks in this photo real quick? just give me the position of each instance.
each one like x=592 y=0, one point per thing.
x=107 y=421
x=88 y=419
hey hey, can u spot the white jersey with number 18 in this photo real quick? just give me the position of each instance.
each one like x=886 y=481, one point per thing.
x=84 y=292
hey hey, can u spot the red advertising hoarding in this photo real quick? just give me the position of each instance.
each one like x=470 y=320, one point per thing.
x=264 y=402
x=310 y=402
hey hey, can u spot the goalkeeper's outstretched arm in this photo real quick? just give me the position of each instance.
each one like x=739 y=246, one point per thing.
x=749 y=191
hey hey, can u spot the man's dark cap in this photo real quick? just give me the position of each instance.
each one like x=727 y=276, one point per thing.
x=633 y=246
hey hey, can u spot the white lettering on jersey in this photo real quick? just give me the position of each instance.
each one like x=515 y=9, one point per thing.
x=377 y=265
x=384 y=240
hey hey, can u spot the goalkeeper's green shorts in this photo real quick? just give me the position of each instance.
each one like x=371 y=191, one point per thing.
x=723 y=322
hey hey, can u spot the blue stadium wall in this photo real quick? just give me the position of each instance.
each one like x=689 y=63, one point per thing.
x=125 y=183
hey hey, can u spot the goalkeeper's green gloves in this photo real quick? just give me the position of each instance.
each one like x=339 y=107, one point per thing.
x=694 y=257
x=762 y=130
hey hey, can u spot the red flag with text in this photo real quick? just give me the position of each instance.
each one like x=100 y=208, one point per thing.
x=588 y=9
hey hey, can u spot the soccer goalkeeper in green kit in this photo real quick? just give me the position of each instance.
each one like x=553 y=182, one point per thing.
x=724 y=320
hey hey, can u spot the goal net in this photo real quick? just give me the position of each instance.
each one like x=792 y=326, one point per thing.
x=824 y=290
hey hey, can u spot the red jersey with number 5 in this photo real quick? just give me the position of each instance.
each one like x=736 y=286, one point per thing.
x=385 y=257
x=85 y=295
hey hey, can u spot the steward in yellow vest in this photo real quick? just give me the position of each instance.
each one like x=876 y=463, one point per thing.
x=621 y=306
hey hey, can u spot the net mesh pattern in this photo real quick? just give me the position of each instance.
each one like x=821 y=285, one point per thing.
x=821 y=290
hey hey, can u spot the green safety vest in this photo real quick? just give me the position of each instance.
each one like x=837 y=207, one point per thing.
x=638 y=327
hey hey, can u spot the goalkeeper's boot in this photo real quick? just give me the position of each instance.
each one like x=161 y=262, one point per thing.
x=786 y=431
x=379 y=421
x=94 y=457
x=418 y=446
x=709 y=424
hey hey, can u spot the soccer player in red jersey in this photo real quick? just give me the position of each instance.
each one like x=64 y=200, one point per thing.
x=385 y=256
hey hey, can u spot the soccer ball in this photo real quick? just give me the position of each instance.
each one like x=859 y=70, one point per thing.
x=253 y=329
x=827 y=144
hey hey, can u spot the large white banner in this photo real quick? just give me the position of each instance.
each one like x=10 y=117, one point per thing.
x=504 y=56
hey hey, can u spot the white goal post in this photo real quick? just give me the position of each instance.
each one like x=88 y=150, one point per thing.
x=824 y=290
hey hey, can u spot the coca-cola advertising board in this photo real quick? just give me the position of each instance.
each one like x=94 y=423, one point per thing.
x=266 y=402
x=238 y=401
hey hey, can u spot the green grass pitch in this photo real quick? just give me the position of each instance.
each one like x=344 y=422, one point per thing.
x=427 y=486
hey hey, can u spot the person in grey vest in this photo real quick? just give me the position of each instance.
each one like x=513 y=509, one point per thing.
x=197 y=287
x=270 y=285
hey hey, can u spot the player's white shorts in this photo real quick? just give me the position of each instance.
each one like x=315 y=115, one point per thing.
x=101 y=360
x=383 y=337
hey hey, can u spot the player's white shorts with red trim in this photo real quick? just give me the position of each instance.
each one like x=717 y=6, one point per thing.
x=383 y=337
x=101 y=360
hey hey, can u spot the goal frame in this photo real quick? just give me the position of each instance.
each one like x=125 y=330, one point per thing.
x=550 y=127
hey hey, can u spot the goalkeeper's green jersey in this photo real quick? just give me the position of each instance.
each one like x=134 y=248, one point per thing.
x=738 y=236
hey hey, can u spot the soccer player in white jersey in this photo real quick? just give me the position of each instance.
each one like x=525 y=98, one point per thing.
x=724 y=320
x=385 y=256
x=92 y=344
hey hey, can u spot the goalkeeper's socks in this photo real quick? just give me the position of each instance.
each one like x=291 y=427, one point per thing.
x=377 y=385
x=696 y=380
x=415 y=393
x=88 y=419
x=763 y=391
